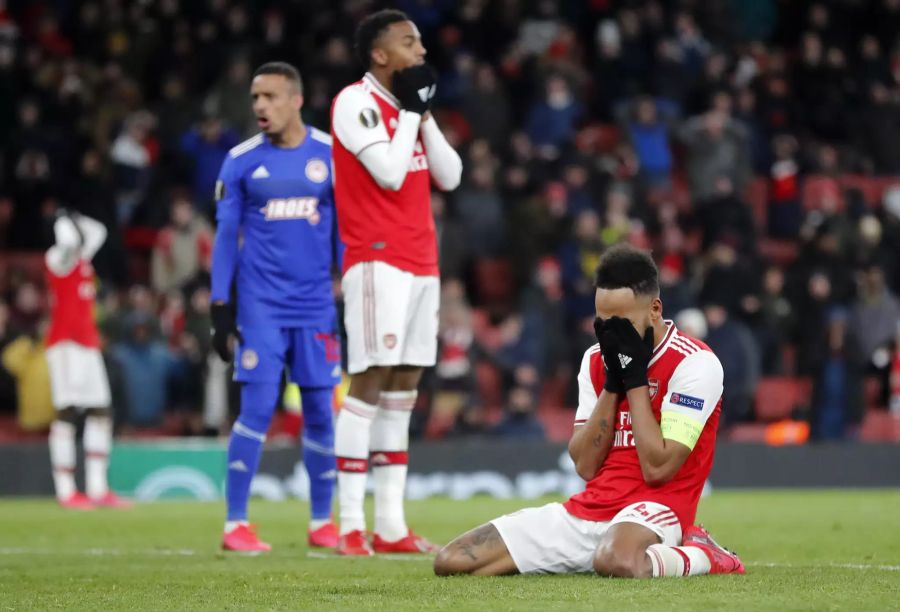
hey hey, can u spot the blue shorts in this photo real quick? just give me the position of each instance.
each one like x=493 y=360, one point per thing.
x=312 y=355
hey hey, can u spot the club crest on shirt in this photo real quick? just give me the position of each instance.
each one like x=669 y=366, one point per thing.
x=249 y=359
x=316 y=170
x=390 y=340
x=368 y=117
x=654 y=387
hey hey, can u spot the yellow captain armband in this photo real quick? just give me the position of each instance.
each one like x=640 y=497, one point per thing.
x=680 y=428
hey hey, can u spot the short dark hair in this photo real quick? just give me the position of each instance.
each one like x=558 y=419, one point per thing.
x=283 y=69
x=369 y=29
x=626 y=266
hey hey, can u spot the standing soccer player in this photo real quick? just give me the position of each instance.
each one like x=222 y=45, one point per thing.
x=78 y=382
x=276 y=241
x=388 y=150
x=645 y=436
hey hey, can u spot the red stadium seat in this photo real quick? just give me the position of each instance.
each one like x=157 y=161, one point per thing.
x=880 y=426
x=494 y=280
x=777 y=397
x=747 y=432
x=757 y=196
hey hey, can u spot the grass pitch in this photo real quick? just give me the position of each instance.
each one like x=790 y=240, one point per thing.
x=822 y=550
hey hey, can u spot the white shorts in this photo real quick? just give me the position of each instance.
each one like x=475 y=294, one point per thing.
x=77 y=376
x=391 y=316
x=549 y=540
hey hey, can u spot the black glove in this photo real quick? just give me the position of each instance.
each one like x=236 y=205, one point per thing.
x=223 y=326
x=625 y=353
x=611 y=383
x=415 y=88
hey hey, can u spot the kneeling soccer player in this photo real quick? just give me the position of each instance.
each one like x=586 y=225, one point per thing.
x=645 y=433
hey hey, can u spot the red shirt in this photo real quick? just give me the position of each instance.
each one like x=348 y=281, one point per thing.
x=378 y=224
x=620 y=482
x=72 y=306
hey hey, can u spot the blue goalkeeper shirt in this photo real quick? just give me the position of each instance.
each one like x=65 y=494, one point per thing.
x=277 y=234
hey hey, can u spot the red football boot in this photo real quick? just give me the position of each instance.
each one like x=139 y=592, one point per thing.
x=243 y=538
x=411 y=543
x=354 y=544
x=325 y=536
x=77 y=501
x=111 y=500
x=721 y=560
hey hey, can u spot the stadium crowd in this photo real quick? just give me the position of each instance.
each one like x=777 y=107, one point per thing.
x=749 y=143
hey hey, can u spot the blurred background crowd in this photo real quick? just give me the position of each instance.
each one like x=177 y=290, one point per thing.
x=750 y=144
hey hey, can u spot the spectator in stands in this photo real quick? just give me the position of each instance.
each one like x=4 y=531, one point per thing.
x=785 y=208
x=730 y=280
x=480 y=212
x=836 y=401
x=228 y=100
x=723 y=215
x=133 y=154
x=454 y=382
x=647 y=125
x=890 y=237
x=774 y=322
x=145 y=365
x=578 y=257
x=551 y=119
x=717 y=146
x=520 y=416
x=207 y=144
x=733 y=343
x=182 y=249
x=25 y=359
x=877 y=130
x=873 y=322
x=486 y=107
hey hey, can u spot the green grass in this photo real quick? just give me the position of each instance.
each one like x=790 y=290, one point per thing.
x=822 y=550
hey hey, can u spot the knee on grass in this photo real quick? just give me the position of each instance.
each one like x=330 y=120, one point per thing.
x=610 y=562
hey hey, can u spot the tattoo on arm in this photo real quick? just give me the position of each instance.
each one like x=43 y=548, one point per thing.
x=479 y=540
x=604 y=428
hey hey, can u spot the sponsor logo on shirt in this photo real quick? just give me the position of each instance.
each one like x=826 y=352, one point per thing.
x=686 y=401
x=418 y=162
x=281 y=209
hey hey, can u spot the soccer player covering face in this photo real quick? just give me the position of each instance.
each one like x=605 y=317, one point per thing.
x=78 y=382
x=275 y=194
x=388 y=152
x=645 y=434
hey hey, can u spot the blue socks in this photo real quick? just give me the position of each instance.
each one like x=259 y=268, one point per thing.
x=318 y=449
x=245 y=446
x=258 y=402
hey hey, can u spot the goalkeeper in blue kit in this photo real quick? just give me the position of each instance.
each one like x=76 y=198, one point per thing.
x=276 y=244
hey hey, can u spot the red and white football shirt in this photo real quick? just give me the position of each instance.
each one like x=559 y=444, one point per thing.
x=685 y=377
x=378 y=224
x=72 y=306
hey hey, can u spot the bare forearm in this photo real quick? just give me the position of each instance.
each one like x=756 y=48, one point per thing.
x=657 y=455
x=591 y=442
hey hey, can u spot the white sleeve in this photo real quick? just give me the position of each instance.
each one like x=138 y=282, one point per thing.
x=692 y=395
x=443 y=161
x=94 y=234
x=359 y=126
x=587 y=396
